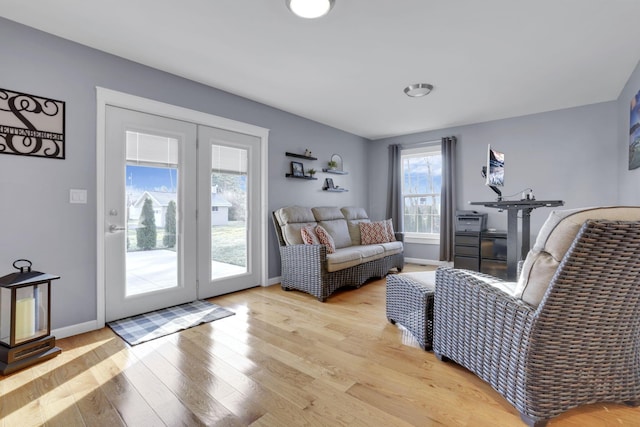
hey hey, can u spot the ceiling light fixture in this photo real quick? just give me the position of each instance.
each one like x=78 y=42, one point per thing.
x=310 y=9
x=417 y=90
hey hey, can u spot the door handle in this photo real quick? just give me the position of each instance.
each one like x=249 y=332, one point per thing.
x=113 y=228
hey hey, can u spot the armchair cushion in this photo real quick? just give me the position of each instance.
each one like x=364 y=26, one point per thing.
x=509 y=288
x=552 y=243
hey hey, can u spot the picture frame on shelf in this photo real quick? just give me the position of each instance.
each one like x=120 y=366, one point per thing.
x=297 y=169
x=328 y=183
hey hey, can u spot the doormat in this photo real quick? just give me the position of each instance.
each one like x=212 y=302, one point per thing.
x=145 y=327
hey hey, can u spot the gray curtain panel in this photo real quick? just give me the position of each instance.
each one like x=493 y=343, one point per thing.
x=394 y=192
x=448 y=198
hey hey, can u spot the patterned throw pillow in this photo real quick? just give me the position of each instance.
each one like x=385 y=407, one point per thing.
x=309 y=236
x=373 y=232
x=325 y=239
x=390 y=232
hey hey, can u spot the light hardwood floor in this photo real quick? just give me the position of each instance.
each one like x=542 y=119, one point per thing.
x=284 y=359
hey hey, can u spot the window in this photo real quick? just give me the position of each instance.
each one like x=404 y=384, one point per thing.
x=421 y=184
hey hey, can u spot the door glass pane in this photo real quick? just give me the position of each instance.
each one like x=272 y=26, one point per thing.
x=229 y=226
x=151 y=201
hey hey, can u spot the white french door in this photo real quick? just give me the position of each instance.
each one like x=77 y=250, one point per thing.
x=229 y=226
x=150 y=227
x=183 y=209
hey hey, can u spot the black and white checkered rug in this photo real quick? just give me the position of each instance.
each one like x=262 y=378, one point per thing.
x=144 y=327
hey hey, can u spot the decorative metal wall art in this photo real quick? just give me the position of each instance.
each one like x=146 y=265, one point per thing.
x=31 y=125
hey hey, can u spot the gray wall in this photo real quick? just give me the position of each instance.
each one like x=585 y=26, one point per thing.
x=569 y=155
x=564 y=154
x=36 y=220
x=629 y=188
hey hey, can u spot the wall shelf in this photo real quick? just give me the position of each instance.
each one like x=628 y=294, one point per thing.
x=289 y=175
x=336 y=190
x=300 y=156
x=335 y=171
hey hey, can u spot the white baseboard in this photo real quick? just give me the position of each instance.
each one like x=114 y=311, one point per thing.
x=77 y=329
x=420 y=261
x=93 y=325
x=274 y=281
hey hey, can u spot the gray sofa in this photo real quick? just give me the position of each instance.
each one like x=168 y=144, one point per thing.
x=310 y=268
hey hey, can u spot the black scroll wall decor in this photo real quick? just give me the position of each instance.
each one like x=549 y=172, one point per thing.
x=31 y=125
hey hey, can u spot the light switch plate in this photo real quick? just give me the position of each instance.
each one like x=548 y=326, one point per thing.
x=77 y=196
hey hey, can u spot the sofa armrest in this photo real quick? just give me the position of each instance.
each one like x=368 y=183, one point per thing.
x=292 y=256
x=479 y=325
x=303 y=267
x=399 y=236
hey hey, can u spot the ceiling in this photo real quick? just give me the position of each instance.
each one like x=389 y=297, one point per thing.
x=488 y=60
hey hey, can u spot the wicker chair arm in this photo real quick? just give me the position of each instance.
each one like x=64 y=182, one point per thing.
x=480 y=326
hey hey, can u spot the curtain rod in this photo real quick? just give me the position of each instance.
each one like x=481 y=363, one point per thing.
x=417 y=144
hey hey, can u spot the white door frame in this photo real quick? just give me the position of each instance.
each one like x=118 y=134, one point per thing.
x=106 y=97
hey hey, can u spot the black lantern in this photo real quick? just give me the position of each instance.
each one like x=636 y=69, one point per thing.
x=25 y=318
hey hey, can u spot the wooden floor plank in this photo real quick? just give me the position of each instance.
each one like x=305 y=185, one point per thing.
x=283 y=359
x=192 y=393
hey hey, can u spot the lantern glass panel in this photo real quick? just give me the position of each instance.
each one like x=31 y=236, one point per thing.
x=31 y=312
x=5 y=316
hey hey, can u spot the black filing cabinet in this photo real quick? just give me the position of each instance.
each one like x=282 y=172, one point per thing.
x=467 y=250
x=493 y=253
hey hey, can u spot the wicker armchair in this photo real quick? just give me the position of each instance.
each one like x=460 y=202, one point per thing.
x=580 y=345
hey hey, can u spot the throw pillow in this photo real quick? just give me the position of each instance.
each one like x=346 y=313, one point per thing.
x=325 y=239
x=309 y=236
x=390 y=232
x=373 y=232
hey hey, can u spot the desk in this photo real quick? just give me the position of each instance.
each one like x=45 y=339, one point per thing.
x=512 y=207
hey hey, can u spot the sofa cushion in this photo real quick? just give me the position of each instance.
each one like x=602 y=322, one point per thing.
x=392 y=248
x=327 y=213
x=291 y=220
x=325 y=239
x=351 y=212
x=370 y=252
x=338 y=230
x=354 y=217
x=374 y=232
x=354 y=230
x=343 y=258
x=309 y=236
x=333 y=221
x=553 y=241
x=294 y=214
